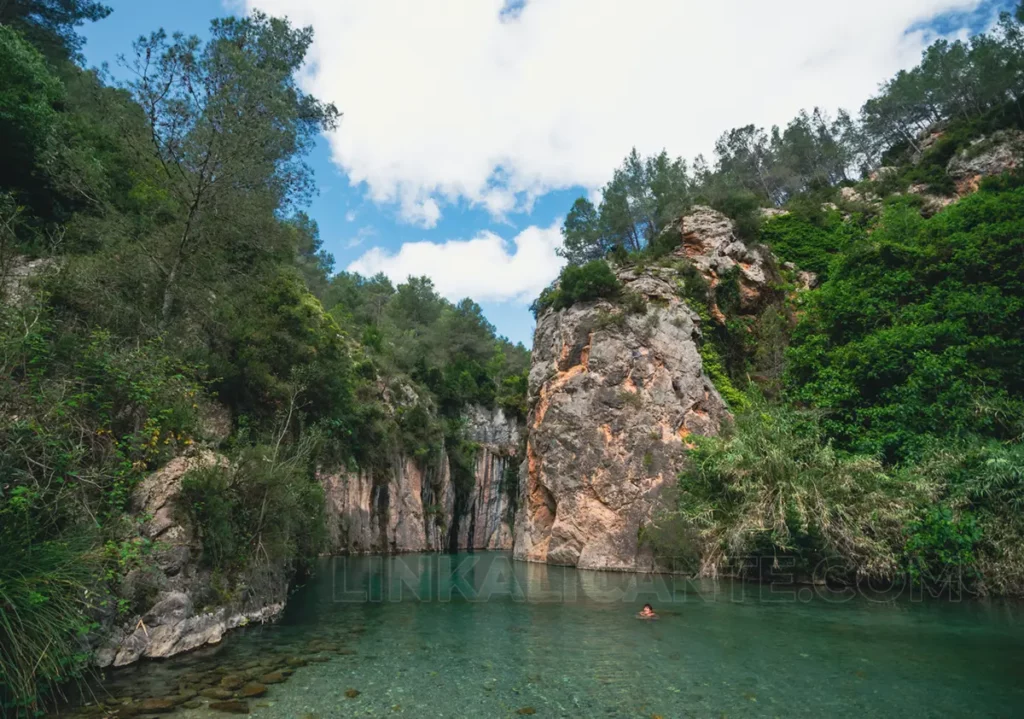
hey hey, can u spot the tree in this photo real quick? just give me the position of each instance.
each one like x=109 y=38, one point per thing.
x=582 y=240
x=744 y=154
x=50 y=24
x=643 y=197
x=227 y=125
x=28 y=94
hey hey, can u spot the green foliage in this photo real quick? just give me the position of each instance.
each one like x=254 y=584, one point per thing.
x=579 y=283
x=179 y=275
x=44 y=613
x=50 y=24
x=941 y=547
x=775 y=486
x=28 y=95
x=810 y=241
x=918 y=329
x=715 y=369
x=278 y=342
x=265 y=507
x=643 y=198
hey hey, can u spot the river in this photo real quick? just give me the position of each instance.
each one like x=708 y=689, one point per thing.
x=480 y=635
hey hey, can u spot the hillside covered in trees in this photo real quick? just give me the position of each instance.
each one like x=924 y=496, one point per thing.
x=877 y=401
x=162 y=289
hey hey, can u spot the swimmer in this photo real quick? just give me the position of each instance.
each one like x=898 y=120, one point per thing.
x=647 y=613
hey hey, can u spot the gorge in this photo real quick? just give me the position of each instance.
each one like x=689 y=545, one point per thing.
x=777 y=392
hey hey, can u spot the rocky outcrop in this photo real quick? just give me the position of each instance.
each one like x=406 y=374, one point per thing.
x=993 y=155
x=490 y=509
x=710 y=242
x=408 y=505
x=17 y=274
x=615 y=398
x=187 y=606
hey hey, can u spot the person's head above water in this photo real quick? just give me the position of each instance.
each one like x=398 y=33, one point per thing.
x=648 y=608
x=647 y=611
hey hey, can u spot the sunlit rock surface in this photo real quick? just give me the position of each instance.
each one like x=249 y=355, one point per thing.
x=615 y=398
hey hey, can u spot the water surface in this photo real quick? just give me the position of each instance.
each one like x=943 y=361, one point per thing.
x=484 y=636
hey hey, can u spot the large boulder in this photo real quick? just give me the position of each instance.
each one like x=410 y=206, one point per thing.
x=615 y=398
x=184 y=610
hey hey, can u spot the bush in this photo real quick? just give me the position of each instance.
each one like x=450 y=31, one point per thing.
x=583 y=283
x=44 y=612
x=917 y=329
x=579 y=283
x=808 y=244
x=940 y=547
x=263 y=508
x=774 y=485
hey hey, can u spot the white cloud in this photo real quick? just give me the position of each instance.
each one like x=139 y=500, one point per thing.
x=452 y=99
x=485 y=268
x=350 y=216
x=418 y=209
x=361 y=235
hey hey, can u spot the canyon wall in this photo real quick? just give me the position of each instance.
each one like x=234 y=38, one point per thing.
x=412 y=506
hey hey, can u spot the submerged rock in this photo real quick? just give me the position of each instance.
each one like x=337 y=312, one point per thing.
x=235 y=706
x=252 y=690
x=216 y=693
x=274 y=678
x=155 y=706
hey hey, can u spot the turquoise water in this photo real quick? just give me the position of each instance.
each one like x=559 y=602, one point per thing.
x=483 y=636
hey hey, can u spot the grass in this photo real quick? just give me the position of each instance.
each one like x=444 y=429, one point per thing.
x=44 y=606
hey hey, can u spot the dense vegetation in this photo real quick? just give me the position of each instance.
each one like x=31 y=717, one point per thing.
x=162 y=291
x=878 y=428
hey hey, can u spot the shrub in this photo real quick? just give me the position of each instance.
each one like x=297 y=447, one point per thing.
x=918 y=328
x=579 y=283
x=808 y=244
x=262 y=508
x=583 y=283
x=774 y=485
x=44 y=613
x=942 y=547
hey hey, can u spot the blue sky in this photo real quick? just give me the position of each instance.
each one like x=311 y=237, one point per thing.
x=464 y=121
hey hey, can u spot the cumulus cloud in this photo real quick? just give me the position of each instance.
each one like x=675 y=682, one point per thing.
x=465 y=99
x=486 y=267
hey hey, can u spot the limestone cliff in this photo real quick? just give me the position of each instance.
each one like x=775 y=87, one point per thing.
x=615 y=395
x=405 y=505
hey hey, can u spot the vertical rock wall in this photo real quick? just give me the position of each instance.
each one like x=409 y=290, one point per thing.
x=615 y=395
x=406 y=507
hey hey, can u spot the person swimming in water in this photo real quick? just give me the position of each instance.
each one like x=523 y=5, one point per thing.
x=647 y=613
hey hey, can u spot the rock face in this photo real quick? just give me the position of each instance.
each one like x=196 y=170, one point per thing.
x=16 y=275
x=709 y=240
x=615 y=397
x=409 y=507
x=993 y=155
x=184 y=612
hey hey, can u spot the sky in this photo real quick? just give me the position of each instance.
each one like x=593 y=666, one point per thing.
x=470 y=126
